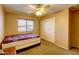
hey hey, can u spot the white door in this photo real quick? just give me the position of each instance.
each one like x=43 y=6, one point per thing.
x=48 y=29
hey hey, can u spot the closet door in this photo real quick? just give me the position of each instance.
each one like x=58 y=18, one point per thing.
x=48 y=29
x=52 y=30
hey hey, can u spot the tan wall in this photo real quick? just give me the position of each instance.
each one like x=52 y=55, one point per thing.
x=1 y=24
x=70 y=28
x=11 y=25
x=75 y=28
x=61 y=28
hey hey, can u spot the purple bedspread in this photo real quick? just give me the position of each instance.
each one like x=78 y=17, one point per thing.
x=13 y=38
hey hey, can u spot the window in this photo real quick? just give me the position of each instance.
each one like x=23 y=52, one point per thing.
x=30 y=25
x=21 y=25
x=25 y=25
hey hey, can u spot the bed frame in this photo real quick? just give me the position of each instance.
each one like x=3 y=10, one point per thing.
x=22 y=43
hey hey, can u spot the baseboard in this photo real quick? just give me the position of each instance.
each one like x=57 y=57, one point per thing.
x=61 y=46
x=74 y=46
x=57 y=45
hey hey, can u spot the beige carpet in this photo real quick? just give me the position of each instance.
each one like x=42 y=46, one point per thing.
x=47 y=48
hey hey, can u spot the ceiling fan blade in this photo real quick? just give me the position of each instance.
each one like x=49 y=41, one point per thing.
x=46 y=6
x=32 y=6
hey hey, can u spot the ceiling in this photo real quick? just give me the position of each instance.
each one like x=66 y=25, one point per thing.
x=25 y=8
x=75 y=8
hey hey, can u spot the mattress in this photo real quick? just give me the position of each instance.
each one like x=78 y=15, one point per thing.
x=13 y=38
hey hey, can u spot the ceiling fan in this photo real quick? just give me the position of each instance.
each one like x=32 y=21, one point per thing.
x=40 y=9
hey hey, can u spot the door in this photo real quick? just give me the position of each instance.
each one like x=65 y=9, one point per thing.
x=48 y=29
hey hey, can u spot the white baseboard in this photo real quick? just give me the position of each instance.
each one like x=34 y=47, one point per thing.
x=58 y=45
x=61 y=46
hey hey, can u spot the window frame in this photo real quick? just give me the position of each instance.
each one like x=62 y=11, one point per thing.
x=33 y=25
x=26 y=25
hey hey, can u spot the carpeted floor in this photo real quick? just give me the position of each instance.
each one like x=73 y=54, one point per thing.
x=47 y=48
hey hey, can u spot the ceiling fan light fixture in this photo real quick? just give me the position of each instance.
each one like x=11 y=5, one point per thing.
x=38 y=13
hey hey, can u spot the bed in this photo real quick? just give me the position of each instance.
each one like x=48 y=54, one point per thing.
x=20 y=41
